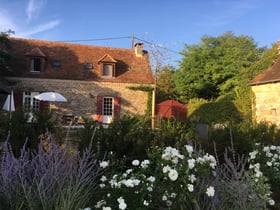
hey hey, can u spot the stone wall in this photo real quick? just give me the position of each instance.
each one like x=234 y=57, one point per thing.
x=82 y=95
x=267 y=103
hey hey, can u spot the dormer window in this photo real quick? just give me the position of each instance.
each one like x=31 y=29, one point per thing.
x=107 y=66
x=36 y=60
x=35 y=65
x=108 y=70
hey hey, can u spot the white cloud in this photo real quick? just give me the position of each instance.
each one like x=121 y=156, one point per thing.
x=33 y=8
x=6 y=22
x=38 y=29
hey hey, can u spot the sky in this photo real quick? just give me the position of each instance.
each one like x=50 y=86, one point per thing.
x=163 y=24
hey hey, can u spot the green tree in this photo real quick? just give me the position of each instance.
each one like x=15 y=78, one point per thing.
x=211 y=68
x=165 y=84
x=243 y=93
x=5 y=55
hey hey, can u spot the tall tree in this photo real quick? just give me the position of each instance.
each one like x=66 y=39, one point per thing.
x=211 y=68
x=165 y=84
x=5 y=55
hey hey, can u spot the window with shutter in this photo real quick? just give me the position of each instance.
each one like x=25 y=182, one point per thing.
x=107 y=108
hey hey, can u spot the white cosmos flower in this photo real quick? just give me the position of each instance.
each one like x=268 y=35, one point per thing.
x=189 y=148
x=164 y=198
x=191 y=163
x=100 y=203
x=104 y=164
x=146 y=203
x=210 y=191
x=173 y=174
x=190 y=187
x=268 y=163
x=102 y=185
x=103 y=178
x=135 y=162
x=151 y=179
x=165 y=169
x=271 y=202
x=122 y=204
x=253 y=154
x=145 y=163
x=192 y=178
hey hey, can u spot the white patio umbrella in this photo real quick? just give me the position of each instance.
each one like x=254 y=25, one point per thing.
x=9 y=104
x=51 y=96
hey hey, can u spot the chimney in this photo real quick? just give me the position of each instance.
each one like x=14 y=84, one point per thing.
x=138 y=49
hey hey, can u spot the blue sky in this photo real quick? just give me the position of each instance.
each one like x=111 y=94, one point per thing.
x=166 y=23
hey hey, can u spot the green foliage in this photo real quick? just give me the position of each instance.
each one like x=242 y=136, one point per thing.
x=129 y=136
x=148 y=89
x=222 y=110
x=6 y=57
x=212 y=68
x=239 y=187
x=20 y=129
x=165 y=84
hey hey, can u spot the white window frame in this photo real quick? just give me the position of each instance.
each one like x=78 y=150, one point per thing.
x=107 y=109
x=30 y=104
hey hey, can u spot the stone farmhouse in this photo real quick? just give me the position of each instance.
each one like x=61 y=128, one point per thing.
x=98 y=82
x=266 y=89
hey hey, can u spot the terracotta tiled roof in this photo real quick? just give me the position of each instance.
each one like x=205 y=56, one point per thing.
x=270 y=75
x=72 y=57
x=36 y=52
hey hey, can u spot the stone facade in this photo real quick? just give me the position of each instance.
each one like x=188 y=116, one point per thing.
x=267 y=103
x=82 y=95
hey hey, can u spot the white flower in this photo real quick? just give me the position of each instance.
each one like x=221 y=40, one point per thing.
x=145 y=203
x=190 y=187
x=150 y=189
x=122 y=204
x=172 y=154
x=168 y=203
x=192 y=178
x=165 y=169
x=135 y=162
x=103 y=178
x=253 y=154
x=173 y=174
x=99 y=204
x=128 y=171
x=268 y=163
x=104 y=164
x=191 y=163
x=273 y=147
x=130 y=182
x=271 y=202
x=210 y=191
x=106 y=208
x=102 y=185
x=266 y=149
x=151 y=179
x=145 y=163
x=173 y=195
x=164 y=198
x=189 y=149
